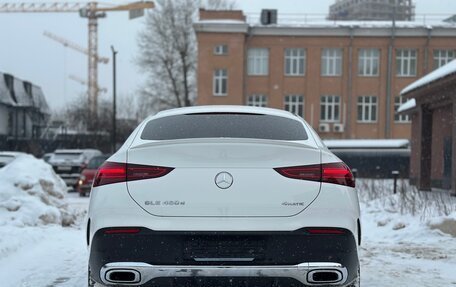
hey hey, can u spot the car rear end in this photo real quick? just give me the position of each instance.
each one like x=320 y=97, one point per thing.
x=84 y=184
x=68 y=164
x=224 y=195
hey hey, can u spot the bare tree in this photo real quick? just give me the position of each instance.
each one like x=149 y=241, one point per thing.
x=219 y=5
x=167 y=52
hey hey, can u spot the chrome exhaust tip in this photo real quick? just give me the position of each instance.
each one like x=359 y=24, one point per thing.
x=324 y=276
x=123 y=276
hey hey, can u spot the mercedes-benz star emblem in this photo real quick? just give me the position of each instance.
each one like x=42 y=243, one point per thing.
x=224 y=180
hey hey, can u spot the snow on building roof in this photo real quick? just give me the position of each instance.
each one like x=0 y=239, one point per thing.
x=367 y=144
x=410 y=104
x=440 y=73
x=220 y=21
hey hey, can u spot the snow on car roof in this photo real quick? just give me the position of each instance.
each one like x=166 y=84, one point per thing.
x=410 y=104
x=440 y=73
x=380 y=143
x=11 y=153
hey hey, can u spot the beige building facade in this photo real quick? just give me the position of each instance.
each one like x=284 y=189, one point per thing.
x=344 y=79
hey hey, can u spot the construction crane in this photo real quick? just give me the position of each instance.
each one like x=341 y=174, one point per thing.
x=74 y=46
x=92 y=11
x=84 y=83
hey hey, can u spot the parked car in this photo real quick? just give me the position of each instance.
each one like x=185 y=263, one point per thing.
x=47 y=157
x=69 y=163
x=224 y=196
x=8 y=156
x=85 y=180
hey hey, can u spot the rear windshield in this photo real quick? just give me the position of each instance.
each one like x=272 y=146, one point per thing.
x=222 y=125
x=67 y=156
x=95 y=162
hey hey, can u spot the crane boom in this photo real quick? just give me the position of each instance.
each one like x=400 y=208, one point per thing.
x=84 y=83
x=42 y=7
x=73 y=46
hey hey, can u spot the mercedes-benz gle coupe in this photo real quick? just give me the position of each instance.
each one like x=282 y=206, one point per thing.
x=224 y=196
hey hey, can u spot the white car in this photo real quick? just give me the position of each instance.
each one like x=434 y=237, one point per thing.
x=69 y=163
x=8 y=156
x=224 y=196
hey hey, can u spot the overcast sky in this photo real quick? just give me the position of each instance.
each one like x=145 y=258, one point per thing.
x=27 y=54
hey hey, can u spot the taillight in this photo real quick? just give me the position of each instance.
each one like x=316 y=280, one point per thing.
x=114 y=172
x=337 y=173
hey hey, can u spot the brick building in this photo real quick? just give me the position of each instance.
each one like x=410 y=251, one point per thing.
x=344 y=78
x=432 y=108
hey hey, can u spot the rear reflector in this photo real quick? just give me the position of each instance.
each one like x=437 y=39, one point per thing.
x=324 y=231
x=337 y=173
x=122 y=231
x=114 y=172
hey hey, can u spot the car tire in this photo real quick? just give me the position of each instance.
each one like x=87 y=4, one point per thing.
x=82 y=194
x=91 y=282
x=357 y=282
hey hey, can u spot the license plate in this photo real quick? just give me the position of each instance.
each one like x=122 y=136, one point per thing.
x=64 y=168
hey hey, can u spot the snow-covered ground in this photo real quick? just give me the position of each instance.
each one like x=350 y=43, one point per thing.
x=398 y=249
x=402 y=241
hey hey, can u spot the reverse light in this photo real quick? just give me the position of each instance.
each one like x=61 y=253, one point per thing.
x=115 y=172
x=337 y=173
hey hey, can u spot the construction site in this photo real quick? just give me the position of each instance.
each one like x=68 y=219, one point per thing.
x=13 y=135
x=372 y=10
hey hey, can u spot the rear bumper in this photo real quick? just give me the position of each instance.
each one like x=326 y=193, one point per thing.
x=137 y=274
x=86 y=188
x=161 y=257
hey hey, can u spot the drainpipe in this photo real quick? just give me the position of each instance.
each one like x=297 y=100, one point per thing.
x=389 y=79
x=426 y=50
x=246 y=60
x=350 y=83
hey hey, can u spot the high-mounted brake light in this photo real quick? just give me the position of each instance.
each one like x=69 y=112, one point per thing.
x=114 y=172
x=337 y=173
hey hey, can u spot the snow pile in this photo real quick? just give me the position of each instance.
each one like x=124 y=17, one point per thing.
x=32 y=194
x=407 y=214
x=345 y=144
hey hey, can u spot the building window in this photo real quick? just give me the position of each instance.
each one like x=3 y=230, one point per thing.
x=258 y=62
x=221 y=50
x=367 y=109
x=220 y=82
x=368 y=62
x=294 y=104
x=295 y=61
x=257 y=100
x=330 y=108
x=398 y=101
x=442 y=57
x=331 y=62
x=406 y=62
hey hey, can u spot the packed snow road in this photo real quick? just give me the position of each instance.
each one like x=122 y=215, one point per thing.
x=54 y=256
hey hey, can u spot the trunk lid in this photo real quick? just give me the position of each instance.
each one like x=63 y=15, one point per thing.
x=223 y=178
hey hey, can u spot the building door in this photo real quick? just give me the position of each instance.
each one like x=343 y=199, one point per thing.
x=447 y=159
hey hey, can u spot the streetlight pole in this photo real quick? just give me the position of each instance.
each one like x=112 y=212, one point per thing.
x=114 y=107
